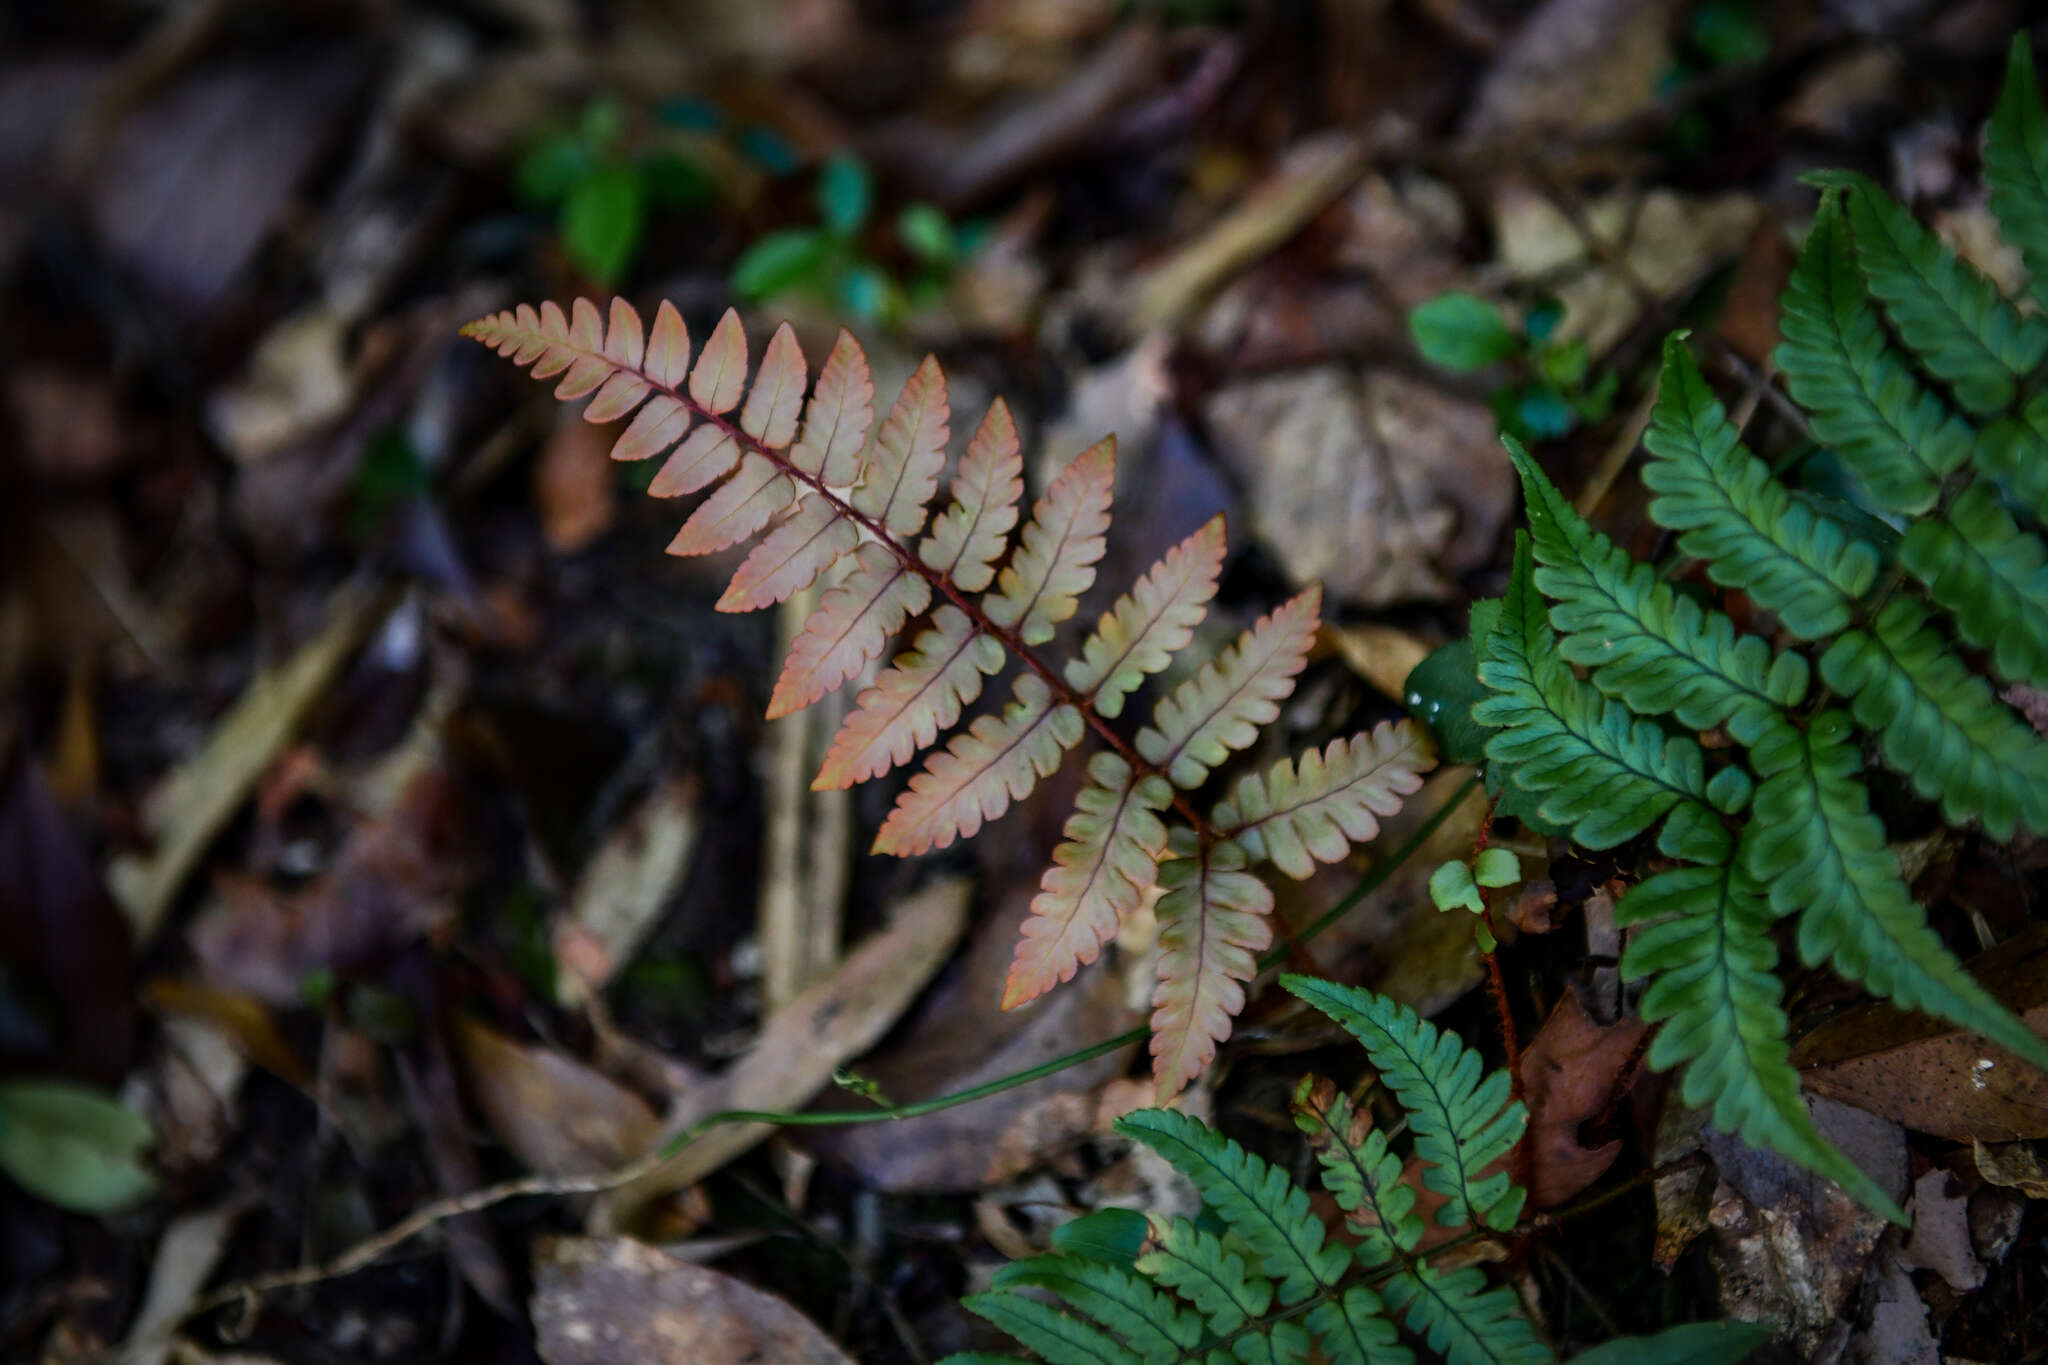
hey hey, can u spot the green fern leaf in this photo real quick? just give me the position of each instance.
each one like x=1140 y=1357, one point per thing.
x=1991 y=576
x=1647 y=646
x=2016 y=164
x=1463 y=1119
x=1600 y=773
x=1353 y=1329
x=981 y=1358
x=2015 y=449
x=1147 y=1321
x=1711 y=954
x=1261 y=1205
x=1197 y=1266
x=1361 y=1173
x=1058 y=1338
x=1738 y=518
x=1938 y=724
x=1814 y=843
x=1462 y=1318
x=1942 y=307
x=1898 y=436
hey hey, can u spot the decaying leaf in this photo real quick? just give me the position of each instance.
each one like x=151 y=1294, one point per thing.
x=558 y=1116
x=624 y=887
x=1569 y=1072
x=601 y=1301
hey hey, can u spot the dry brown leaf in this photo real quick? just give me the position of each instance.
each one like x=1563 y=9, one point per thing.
x=1382 y=655
x=1575 y=65
x=242 y=1018
x=831 y=1023
x=558 y=1116
x=1947 y=1082
x=1940 y=1240
x=1569 y=1072
x=1382 y=488
x=574 y=485
x=2012 y=1165
x=189 y=807
x=297 y=380
x=603 y=1301
x=624 y=887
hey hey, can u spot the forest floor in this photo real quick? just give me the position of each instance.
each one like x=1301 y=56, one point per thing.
x=383 y=814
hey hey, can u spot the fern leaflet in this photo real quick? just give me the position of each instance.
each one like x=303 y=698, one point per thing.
x=1992 y=577
x=2016 y=164
x=1214 y=920
x=1739 y=519
x=1814 y=843
x=1646 y=646
x=1220 y=709
x=1300 y=815
x=1460 y=1316
x=1706 y=941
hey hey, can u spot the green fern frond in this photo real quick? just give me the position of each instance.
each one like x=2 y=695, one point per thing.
x=1814 y=844
x=2016 y=164
x=1938 y=724
x=1058 y=1338
x=1464 y=1120
x=1945 y=309
x=1261 y=1205
x=1898 y=436
x=2015 y=449
x=1360 y=1172
x=1121 y=1300
x=1991 y=576
x=1707 y=944
x=1461 y=1317
x=1196 y=1265
x=1594 y=769
x=1739 y=519
x=1353 y=1329
x=1646 y=646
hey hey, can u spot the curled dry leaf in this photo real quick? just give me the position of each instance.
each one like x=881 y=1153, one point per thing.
x=558 y=1116
x=1570 y=1071
x=599 y=1301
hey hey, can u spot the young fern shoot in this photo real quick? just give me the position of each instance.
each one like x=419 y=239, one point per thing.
x=835 y=491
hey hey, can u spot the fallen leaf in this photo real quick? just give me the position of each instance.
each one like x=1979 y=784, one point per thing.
x=2012 y=1165
x=558 y=1116
x=1569 y=1073
x=624 y=888
x=1841 y=94
x=1940 y=1240
x=427 y=1077
x=600 y=1301
x=831 y=1023
x=1935 y=1079
x=1572 y=66
x=1382 y=655
x=192 y=804
x=67 y=426
x=74 y=1146
x=185 y=1258
x=575 y=485
x=1896 y=1332
x=1381 y=487
x=297 y=380
x=240 y=1017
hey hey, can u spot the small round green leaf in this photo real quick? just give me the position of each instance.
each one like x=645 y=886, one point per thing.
x=845 y=194
x=1440 y=692
x=780 y=261
x=602 y=221
x=73 y=1146
x=1497 y=867
x=927 y=234
x=1461 y=331
x=1452 y=888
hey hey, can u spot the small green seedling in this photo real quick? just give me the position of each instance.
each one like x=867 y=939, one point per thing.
x=1455 y=886
x=603 y=190
x=1463 y=332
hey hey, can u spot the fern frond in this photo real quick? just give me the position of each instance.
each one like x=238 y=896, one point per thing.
x=1057 y=553
x=1214 y=920
x=1705 y=938
x=902 y=469
x=1100 y=874
x=2016 y=164
x=1991 y=576
x=1592 y=767
x=911 y=702
x=1650 y=648
x=2016 y=449
x=1814 y=844
x=1732 y=514
x=1060 y=1338
x=813 y=538
x=1862 y=397
x=1197 y=1266
x=1298 y=817
x=1463 y=1119
x=1146 y=1321
x=1943 y=308
x=1139 y=635
x=1352 y=1329
x=854 y=620
x=973 y=531
x=1938 y=724
x=1360 y=1172
x=1460 y=1316
x=975 y=777
x=1260 y=1203
x=1221 y=708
